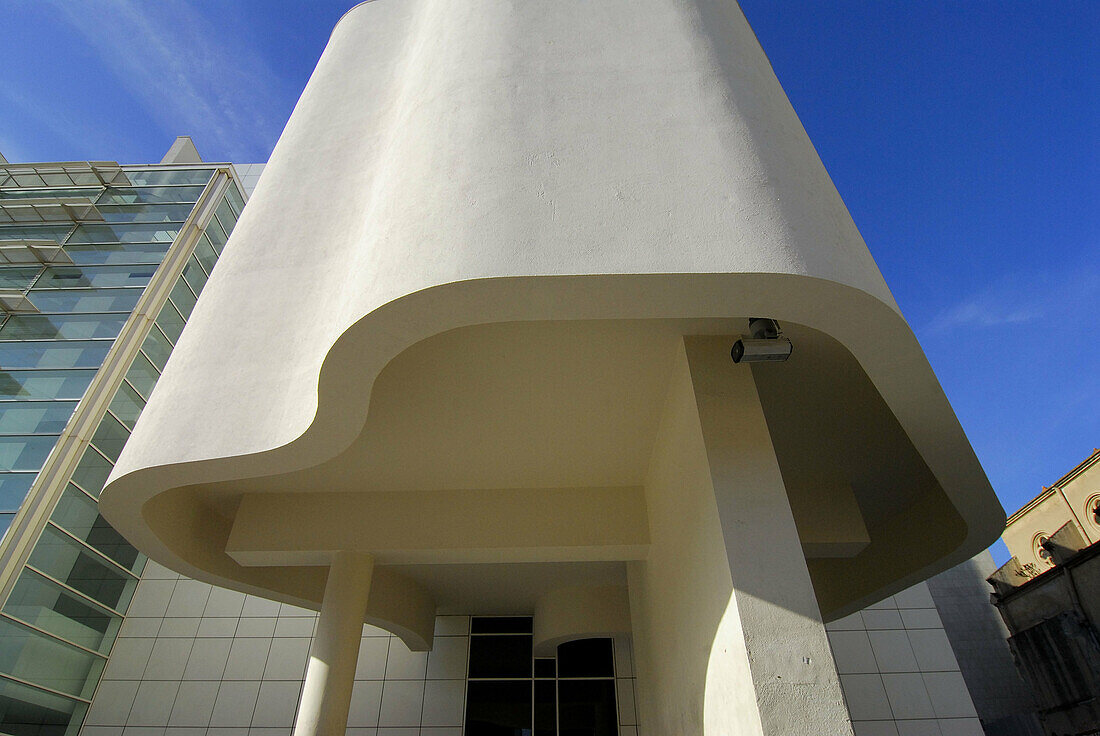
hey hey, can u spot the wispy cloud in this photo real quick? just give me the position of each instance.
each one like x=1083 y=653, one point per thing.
x=192 y=77
x=1026 y=298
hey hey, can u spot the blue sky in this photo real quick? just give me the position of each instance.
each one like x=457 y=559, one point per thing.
x=963 y=137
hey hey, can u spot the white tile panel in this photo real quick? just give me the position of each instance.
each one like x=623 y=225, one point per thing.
x=851 y=622
x=933 y=650
x=235 y=704
x=447 y=660
x=151 y=598
x=916 y=597
x=949 y=695
x=402 y=701
x=444 y=702
x=287 y=659
x=624 y=656
x=893 y=652
x=179 y=628
x=908 y=697
x=207 y=659
x=153 y=703
x=111 y=705
x=875 y=728
x=372 y=658
x=401 y=664
x=292 y=626
x=223 y=602
x=168 y=659
x=276 y=704
x=921 y=618
x=188 y=599
x=961 y=727
x=366 y=699
x=257 y=626
x=927 y=727
x=866 y=697
x=133 y=627
x=218 y=627
x=247 y=658
x=194 y=704
x=889 y=619
x=128 y=659
x=256 y=606
x=452 y=625
x=624 y=688
x=852 y=652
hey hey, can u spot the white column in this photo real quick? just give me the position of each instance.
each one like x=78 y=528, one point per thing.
x=772 y=617
x=326 y=693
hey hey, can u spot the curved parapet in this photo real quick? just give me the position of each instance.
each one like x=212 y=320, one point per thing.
x=460 y=288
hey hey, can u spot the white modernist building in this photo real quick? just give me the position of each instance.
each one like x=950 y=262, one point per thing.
x=468 y=352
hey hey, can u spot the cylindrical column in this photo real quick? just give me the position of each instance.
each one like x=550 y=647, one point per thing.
x=326 y=693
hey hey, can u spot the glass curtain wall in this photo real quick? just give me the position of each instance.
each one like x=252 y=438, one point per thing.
x=68 y=285
x=512 y=693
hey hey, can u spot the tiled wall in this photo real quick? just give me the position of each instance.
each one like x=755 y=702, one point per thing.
x=898 y=671
x=192 y=660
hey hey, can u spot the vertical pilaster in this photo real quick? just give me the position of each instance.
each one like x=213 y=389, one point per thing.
x=772 y=616
x=330 y=674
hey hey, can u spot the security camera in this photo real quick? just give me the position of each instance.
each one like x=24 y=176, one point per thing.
x=766 y=344
x=753 y=351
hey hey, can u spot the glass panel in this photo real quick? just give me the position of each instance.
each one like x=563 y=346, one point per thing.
x=169 y=321
x=545 y=667
x=196 y=277
x=35 y=417
x=42 y=603
x=63 y=559
x=63 y=326
x=142 y=375
x=126 y=405
x=149 y=195
x=586 y=658
x=501 y=625
x=67 y=277
x=500 y=656
x=164 y=177
x=45 y=354
x=5 y=522
x=204 y=253
x=26 y=452
x=26 y=711
x=498 y=708
x=226 y=216
x=157 y=347
x=216 y=235
x=89 y=192
x=546 y=708
x=587 y=708
x=236 y=201
x=143 y=233
x=110 y=436
x=18 y=278
x=44 y=384
x=14 y=488
x=183 y=298
x=116 y=253
x=92 y=471
x=34 y=232
x=31 y=656
x=86 y=300
x=145 y=212
x=80 y=515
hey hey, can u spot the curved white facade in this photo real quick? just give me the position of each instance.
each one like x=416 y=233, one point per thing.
x=472 y=281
